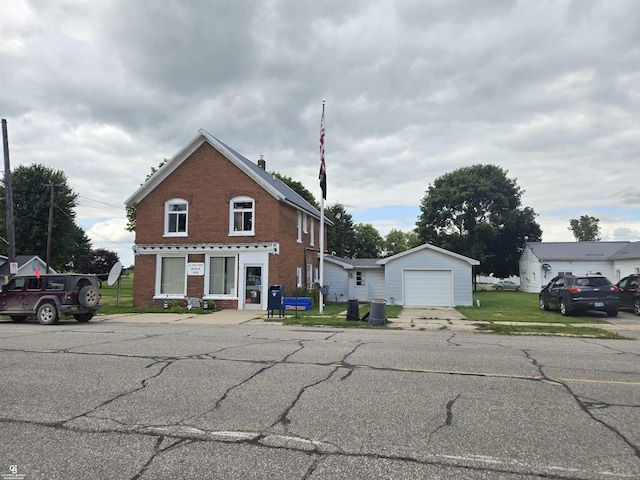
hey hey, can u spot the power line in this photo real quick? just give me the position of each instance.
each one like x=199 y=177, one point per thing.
x=92 y=231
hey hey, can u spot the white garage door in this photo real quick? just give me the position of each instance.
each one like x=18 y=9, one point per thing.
x=427 y=288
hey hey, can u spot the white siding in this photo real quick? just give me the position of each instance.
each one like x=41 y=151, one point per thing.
x=428 y=259
x=337 y=278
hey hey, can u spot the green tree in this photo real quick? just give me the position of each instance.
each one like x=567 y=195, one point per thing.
x=31 y=194
x=299 y=188
x=398 y=241
x=367 y=241
x=98 y=262
x=130 y=209
x=476 y=211
x=340 y=236
x=585 y=229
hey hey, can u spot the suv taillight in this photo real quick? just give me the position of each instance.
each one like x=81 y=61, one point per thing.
x=574 y=289
x=613 y=288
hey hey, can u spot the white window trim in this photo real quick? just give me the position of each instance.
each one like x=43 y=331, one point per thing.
x=299 y=228
x=305 y=222
x=312 y=235
x=242 y=233
x=159 y=295
x=167 y=204
x=299 y=277
x=207 y=272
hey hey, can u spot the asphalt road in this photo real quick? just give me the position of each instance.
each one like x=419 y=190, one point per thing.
x=190 y=401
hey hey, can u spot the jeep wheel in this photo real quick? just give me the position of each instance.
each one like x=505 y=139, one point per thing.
x=18 y=318
x=47 y=314
x=88 y=296
x=563 y=308
x=83 y=317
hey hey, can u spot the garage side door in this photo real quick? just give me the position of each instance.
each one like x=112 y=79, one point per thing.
x=427 y=288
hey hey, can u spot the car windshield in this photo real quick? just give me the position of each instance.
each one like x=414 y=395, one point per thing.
x=592 y=282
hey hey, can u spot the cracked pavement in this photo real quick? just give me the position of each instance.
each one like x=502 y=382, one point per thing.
x=156 y=401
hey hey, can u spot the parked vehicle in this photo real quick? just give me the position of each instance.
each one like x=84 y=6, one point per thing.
x=50 y=297
x=569 y=293
x=506 y=285
x=629 y=292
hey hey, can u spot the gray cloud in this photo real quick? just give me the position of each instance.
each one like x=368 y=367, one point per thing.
x=414 y=89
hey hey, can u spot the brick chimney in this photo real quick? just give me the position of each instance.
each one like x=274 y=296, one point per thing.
x=262 y=163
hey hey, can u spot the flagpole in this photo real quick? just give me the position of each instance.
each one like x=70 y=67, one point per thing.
x=321 y=253
x=322 y=179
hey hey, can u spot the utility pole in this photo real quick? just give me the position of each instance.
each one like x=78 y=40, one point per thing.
x=50 y=229
x=11 y=233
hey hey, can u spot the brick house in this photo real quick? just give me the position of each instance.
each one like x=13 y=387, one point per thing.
x=213 y=225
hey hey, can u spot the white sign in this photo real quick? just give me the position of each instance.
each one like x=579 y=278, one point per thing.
x=13 y=267
x=195 y=269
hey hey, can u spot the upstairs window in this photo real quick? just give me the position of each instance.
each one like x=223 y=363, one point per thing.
x=175 y=218
x=242 y=210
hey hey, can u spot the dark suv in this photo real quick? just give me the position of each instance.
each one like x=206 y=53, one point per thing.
x=629 y=290
x=50 y=297
x=569 y=293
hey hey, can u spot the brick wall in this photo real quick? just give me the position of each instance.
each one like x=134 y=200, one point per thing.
x=208 y=181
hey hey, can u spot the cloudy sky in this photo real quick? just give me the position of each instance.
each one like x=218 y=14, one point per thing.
x=104 y=90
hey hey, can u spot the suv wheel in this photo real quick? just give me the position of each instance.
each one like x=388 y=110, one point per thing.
x=47 y=314
x=636 y=307
x=563 y=308
x=543 y=304
x=612 y=313
x=88 y=296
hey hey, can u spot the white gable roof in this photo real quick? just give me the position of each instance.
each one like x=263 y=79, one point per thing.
x=470 y=261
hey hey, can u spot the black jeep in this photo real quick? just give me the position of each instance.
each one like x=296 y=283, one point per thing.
x=50 y=297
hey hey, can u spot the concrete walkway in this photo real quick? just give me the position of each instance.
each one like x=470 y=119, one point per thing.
x=417 y=319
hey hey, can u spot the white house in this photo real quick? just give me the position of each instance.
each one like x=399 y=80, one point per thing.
x=27 y=265
x=353 y=278
x=542 y=261
x=424 y=276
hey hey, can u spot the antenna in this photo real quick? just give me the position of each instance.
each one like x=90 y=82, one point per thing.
x=114 y=276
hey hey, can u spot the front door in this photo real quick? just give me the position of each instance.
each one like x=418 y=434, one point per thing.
x=253 y=288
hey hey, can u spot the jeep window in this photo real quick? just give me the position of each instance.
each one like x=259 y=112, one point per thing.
x=34 y=284
x=54 y=283
x=16 y=284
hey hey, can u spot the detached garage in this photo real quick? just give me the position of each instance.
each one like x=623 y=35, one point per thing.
x=428 y=276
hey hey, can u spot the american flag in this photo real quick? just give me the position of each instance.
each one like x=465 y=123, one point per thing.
x=323 y=168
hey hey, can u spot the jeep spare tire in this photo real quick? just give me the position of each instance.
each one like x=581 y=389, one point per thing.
x=88 y=296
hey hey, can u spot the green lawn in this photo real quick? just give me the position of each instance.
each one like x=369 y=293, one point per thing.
x=511 y=306
x=335 y=315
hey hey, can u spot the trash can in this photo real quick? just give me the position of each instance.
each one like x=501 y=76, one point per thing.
x=353 y=310
x=276 y=300
x=378 y=312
